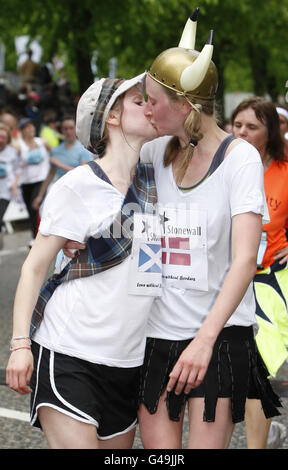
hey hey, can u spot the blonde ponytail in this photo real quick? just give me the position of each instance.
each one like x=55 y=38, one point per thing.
x=192 y=126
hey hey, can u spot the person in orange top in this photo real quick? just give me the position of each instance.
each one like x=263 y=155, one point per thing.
x=256 y=121
x=283 y=118
x=276 y=189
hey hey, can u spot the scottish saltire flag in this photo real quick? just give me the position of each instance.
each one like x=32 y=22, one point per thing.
x=145 y=271
x=149 y=258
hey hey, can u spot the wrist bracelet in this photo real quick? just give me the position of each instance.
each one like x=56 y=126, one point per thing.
x=17 y=338
x=21 y=347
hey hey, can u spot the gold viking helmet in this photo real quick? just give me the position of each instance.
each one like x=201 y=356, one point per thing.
x=185 y=70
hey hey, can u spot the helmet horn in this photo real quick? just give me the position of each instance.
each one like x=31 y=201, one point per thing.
x=188 y=37
x=193 y=75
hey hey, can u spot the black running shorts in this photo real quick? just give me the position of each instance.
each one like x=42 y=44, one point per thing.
x=106 y=397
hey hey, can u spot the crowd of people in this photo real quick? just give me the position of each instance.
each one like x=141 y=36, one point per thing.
x=155 y=320
x=31 y=117
x=31 y=161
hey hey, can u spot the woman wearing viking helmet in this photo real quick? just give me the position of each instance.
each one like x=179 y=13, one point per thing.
x=200 y=347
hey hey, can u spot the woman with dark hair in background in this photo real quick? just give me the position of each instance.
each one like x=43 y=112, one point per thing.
x=256 y=121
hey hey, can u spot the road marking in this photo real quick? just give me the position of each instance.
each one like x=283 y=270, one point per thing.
x=13 y=414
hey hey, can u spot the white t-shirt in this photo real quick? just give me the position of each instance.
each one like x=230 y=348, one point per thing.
x=9 y=157
x=33 y=173
x=192 y=279
x=94 y=318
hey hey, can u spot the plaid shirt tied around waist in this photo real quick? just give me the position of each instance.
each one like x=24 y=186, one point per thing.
x=109 y=248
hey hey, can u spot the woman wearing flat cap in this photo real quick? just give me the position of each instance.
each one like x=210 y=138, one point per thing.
x=88 y=323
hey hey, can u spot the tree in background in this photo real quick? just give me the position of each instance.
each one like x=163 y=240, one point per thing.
x=250 y=36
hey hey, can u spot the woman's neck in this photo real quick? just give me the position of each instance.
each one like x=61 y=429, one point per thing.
x=212 y=136
x=70 y=143
x=119 y=164
x=203 y=153
x=266 y=159
x=209 y=127
x=29 y=141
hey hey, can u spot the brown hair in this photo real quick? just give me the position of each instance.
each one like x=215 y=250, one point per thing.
x=118 y=105
x=265 y=112
x=192 y=127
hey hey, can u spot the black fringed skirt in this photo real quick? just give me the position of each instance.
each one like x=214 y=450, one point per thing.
x=236 y=371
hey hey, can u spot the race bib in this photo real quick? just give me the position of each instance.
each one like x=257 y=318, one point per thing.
x=184 y=248
x=34 y=157
x=3 y=170
x=145 y=276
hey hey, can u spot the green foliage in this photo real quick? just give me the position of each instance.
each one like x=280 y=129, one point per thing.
x=250 y=36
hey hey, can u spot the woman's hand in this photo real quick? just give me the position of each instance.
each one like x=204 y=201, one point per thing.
x=19 y=370
x=191 y=367
x=70 y=245
x=282 y=255
x=33 y=274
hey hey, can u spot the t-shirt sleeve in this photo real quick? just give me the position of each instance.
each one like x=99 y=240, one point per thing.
x=245 y=180
x=247 y=190
x=65 y=214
